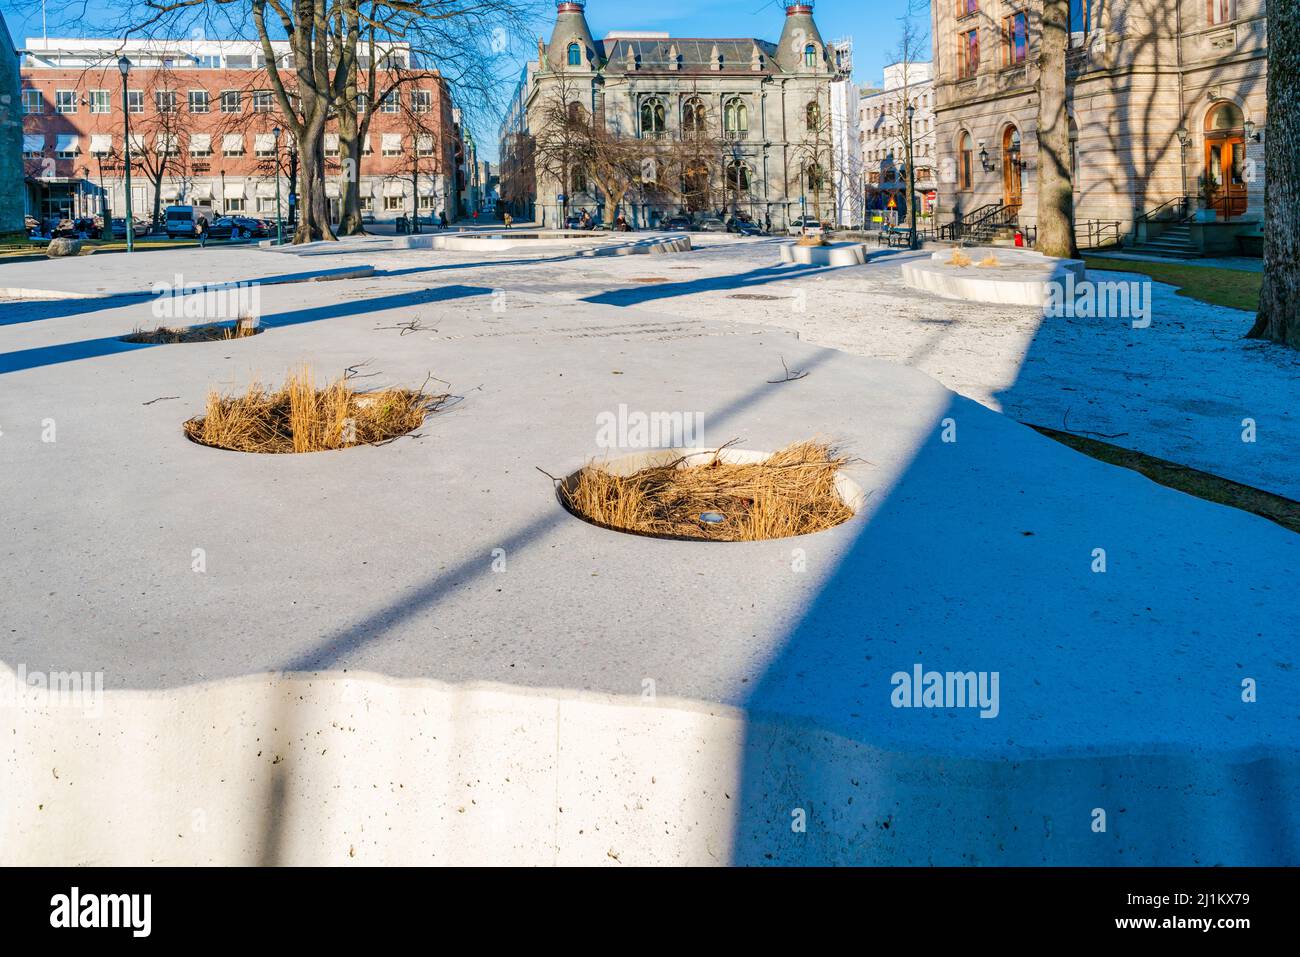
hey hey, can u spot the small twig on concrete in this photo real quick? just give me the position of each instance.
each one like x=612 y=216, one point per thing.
x=354 y=372
x=159 y=399
x=789 y=376
x=548 y=474
x=413 y=326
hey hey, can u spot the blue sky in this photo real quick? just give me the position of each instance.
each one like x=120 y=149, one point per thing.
x=873 y=24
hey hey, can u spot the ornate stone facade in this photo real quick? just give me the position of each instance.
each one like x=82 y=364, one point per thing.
x=768 y=102
x=1162 y=93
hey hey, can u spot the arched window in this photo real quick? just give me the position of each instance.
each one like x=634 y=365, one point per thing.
x=575 y=55
x=814 y=179
x=693 y=116
x=1224 y=118
x=576 y=112
x=737 y=177
x=965 y=161
x=736 y=117
x=810 y=55
x=652 y=116
x=813 y=115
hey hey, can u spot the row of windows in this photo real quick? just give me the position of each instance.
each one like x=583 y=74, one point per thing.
x=809 y=54
x=232 y=61
x=735 y=116
x=200 y=145
x=165 y=101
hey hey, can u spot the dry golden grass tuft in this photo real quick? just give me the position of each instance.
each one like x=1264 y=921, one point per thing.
x=212 y=332
x=959 y=258
x=791 y=493
x=990 y=260
x=298 y=417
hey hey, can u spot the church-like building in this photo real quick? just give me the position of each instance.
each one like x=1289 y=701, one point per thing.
x=729 y=125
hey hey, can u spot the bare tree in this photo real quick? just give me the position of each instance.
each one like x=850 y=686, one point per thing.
x=1279 y=298
x=812 y=154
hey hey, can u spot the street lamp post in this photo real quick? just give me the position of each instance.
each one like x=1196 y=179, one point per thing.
x=279 y=222
x=911 y=180
x=124 y=65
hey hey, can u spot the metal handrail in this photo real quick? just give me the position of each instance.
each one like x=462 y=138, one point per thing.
x=1095 y=232
x=959 y=227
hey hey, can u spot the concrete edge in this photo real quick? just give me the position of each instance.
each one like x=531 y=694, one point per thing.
x=18 y=293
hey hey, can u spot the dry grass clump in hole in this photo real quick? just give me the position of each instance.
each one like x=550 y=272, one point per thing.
x=990 y=261
x=959 y=258
x=210 y=332
x=790 y=493
x=298 y=417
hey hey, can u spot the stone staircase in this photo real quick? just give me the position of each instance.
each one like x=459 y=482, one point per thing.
x=1175 y=243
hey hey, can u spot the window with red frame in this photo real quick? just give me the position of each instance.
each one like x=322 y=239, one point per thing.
x=968 y=53
x=966 y=7
x=1015 y=39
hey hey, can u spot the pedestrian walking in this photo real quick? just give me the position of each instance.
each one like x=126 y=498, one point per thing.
x=442 y=219
x=202 y=229
x=508 y=220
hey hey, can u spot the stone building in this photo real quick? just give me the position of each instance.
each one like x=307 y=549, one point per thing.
x=884 y=138
x=766 y=103
x=1165 y=97
x=201 y=112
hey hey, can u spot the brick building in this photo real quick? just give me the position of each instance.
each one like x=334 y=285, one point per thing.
x=201 y=118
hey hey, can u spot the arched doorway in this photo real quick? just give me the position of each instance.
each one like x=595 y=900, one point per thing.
x=1223 y=184
x=1012 y=171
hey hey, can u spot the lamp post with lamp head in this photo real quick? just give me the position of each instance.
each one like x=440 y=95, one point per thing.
x=124 y=66
x=279 y=222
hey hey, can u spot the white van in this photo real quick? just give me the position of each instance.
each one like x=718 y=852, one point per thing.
x=184 y=220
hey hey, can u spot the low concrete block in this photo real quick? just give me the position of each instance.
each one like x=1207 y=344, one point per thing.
x=833 y=254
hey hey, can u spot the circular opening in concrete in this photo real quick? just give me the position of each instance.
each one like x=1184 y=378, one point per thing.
x=208 y=332
x=718 y=495
x=299 y=417
x=756 y=297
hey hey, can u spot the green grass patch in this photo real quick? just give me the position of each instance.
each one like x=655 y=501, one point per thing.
x=1238 y=288
x=1212 y=488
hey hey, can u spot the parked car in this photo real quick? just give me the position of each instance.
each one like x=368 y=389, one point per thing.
x=680 y=221
x=237 y=227
x=184 y=220
x=710 y=224
x=808 y=224
x=744 y=227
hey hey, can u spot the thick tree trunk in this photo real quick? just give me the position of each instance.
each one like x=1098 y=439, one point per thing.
x=1279 y=299
x=1055 y=178
x=350 y=133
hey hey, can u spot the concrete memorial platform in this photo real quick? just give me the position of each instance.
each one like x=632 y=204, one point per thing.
x=412 y=652
x=995 y=274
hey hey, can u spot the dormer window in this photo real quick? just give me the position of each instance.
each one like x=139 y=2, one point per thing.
x=575 y=55
x=810 y=55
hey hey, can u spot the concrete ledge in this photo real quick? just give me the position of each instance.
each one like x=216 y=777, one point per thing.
x=318 y=275
x=1019 y=279
x=340 y=769
x=833 y=254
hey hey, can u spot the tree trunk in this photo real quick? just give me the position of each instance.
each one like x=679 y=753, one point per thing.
x=350 y=133
x=1279 y=298
x=1055 y=177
